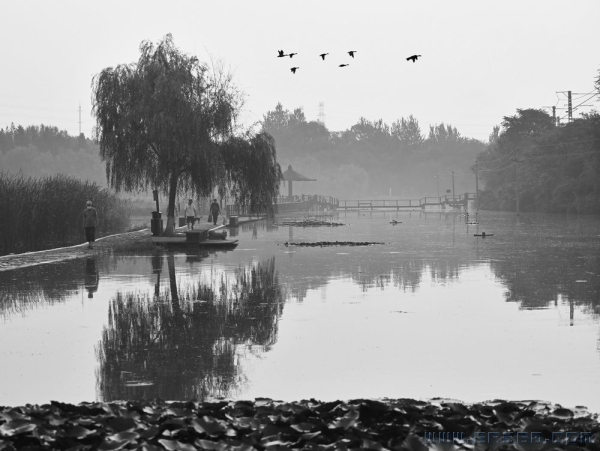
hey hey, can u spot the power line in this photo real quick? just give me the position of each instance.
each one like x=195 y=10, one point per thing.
x=498 y=159
x=563 y=155
x=496 y=170
x=560 y=144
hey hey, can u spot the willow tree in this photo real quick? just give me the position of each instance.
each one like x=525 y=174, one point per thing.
x=167 y=122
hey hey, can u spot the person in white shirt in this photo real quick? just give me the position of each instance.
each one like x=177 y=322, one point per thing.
x=190 y=214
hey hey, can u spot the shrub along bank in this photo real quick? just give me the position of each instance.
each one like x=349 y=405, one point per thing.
x=47 y=212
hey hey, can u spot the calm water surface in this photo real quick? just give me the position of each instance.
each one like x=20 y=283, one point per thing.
x=433 y=312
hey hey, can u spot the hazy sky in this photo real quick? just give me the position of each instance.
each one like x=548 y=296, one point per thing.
x=481 y=60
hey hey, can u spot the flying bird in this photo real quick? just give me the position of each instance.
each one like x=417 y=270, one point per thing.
x=293 y=69
x=413 y=58
x=351 y=53
x=322 y=55
x=343 y=65
x=292 y=54
x=281 y=54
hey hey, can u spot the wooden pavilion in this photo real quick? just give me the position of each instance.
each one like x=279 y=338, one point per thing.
x=292 y=176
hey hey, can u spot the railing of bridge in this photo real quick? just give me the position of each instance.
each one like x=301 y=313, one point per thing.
x=406 y=203
x=308 y=198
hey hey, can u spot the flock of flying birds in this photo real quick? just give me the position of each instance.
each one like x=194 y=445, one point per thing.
x=282 y=54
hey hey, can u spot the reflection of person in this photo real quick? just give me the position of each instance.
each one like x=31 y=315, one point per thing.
x=190 y=214
x=90 y=222
x=214 y=211
x=91 y=277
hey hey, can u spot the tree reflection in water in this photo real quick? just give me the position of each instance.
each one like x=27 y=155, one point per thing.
x=185 y=343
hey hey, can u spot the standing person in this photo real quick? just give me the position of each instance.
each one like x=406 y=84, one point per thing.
x=214 y=211
x=190 y=214
x=90 y=222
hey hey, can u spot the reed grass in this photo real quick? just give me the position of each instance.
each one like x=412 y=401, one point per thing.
x=47 y=212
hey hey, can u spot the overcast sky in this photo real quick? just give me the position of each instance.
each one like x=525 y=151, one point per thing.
x=481 y=60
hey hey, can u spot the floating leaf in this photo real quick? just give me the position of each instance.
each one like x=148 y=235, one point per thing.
x=11 y=415
x=175 y=445
x=16 y=427
x=303 y=427
x=149 y=447
x=347 y=421
x=79 y=432
x=149 y=433
x=207 y=425
x=129 y=436
x=179 y=412
x=207 y=444
x=122 y=424
x=171 y=445
x=110 y=445
x=370 y=444
x=563 y=414
x=413 y=443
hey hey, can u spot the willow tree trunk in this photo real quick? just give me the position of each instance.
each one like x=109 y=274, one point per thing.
x=170 y=229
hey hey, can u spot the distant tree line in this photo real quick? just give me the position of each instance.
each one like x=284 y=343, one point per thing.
x=44 y=137
x=37 y=151
x=372 y=157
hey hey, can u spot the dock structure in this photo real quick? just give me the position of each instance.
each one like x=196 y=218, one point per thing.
x=443 y=202
x=200 y=236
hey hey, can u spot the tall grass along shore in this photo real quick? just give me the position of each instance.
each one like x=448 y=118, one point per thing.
x=46 y=212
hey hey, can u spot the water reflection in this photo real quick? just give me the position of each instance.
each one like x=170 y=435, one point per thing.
x=202 y=314
x=91 y=276
x=184 y=344
x=34 y=286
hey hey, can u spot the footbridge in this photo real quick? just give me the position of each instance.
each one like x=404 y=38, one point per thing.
x=447 y=201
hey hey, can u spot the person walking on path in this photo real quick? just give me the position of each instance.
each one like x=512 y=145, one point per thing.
x=190 y=214
x=214 y=211
x=90 y=222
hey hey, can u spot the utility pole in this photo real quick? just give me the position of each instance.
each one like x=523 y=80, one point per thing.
x=453 y=185
x=554 y=115
x=517 y=160
x=476 y=188
x=570 y=106
x=437 y=176
x=79 y=119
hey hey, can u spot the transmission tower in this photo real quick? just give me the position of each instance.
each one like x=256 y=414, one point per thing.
x=321 y=115
x=79 y=119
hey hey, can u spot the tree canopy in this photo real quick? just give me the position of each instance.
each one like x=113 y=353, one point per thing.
x=559 y=166
x=167 y=122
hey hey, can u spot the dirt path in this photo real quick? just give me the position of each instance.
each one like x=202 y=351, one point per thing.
x=104 y=244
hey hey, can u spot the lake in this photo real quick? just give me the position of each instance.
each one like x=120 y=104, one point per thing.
x=433 y=312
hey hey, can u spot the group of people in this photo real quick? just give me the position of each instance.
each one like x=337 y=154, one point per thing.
x=90 y=219
x=190 y=213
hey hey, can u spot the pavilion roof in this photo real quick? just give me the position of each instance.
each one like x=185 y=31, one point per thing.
x=292 y=176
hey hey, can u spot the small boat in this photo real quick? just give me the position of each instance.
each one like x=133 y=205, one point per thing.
x=483 y=234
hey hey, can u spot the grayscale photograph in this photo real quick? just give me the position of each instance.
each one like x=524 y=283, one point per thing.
x=313 y=225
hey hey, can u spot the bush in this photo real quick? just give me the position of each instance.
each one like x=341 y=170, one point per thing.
x=42 y=213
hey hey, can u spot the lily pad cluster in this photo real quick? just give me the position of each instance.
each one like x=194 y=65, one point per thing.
x=310 y=223
x=333 y=243
x=402 y=424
